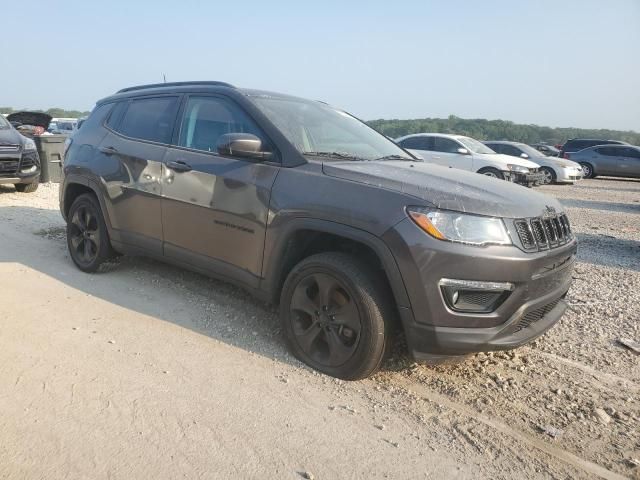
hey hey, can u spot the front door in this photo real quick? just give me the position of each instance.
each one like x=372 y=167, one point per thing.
x=449 y=156
x=629 y=163
x=215 y=208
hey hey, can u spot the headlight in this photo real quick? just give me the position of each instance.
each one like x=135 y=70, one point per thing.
x=29 y=145
x=461 y=227
x=517 y=168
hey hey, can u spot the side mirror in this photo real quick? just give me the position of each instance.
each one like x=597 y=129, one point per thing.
x=244 y=145
x=463 y=151
x=524 y=155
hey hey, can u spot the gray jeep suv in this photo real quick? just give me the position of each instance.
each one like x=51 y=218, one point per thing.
x=304 y=205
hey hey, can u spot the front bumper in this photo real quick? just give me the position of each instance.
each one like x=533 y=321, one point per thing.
x=564 y=175
x=527 y=179
x=534 y=305
x=19 y=167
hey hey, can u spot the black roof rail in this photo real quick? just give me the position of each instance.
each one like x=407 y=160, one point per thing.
x=175 y=84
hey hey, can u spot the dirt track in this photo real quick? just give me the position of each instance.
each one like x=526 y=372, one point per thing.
x=149 y=371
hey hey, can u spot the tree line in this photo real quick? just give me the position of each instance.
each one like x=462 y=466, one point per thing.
x=482 y=129
x=54 y=112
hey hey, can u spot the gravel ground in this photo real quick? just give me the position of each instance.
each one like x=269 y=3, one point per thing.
x=566 y=406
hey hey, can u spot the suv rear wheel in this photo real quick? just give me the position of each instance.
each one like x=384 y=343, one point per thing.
x=87 y=236
x=335 y=312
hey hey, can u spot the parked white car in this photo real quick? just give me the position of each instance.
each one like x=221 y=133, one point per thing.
x=556 y=170
x=465 y=153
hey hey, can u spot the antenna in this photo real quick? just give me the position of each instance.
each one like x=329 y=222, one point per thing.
x=164 y=77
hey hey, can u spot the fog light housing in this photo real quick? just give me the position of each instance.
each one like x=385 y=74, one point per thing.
x=471 y=296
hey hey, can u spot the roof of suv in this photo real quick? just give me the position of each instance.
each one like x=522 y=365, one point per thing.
x=190 y=86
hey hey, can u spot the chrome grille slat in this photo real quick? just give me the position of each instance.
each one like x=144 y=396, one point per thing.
x=542 y=233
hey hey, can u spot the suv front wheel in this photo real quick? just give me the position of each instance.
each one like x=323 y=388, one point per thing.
x=335 y=312
x=87 y=236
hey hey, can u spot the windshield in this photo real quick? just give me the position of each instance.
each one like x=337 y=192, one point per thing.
x=474 y=145
x=532 y=152
x=313 y=127
x=4 y=124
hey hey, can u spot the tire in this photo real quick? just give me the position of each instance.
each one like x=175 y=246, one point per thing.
x=87 y=235
x=321 y=328
x=549 y=175
x=587 y=169
x=27 y=187
x=491 y=172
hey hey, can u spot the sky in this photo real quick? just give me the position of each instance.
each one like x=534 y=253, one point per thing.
x=570 y=63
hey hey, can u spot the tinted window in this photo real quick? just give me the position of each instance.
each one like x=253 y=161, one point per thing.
x=116 y=114
x=445 y=145
x=416 y=143
x=150 y=119
x=97 y=116
x=496 y=147
x=511 y=150
x=610 y=151
x=632 y=152
x=207 y=118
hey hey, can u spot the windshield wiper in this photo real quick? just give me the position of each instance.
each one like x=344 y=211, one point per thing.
x=398 y=157
x=333 y=154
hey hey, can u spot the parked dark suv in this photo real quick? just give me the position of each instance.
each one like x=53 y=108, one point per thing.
x=305 y=205
x=19 y=160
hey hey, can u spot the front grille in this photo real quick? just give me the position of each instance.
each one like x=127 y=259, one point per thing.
x=542 y=233
x=8 y=167
x=534 y=315
x=9 y=148
x=533 y=170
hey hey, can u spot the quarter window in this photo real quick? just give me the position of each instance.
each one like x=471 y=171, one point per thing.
x=206 y=119
x=150 y=119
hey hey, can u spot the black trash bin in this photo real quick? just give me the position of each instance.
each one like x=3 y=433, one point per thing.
x=50 y=149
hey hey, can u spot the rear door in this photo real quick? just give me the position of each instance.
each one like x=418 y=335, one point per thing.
x=131 y=167
x=215 y=208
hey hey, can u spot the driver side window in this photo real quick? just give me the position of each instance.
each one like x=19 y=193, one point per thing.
x=206 y=119
x=445 y=145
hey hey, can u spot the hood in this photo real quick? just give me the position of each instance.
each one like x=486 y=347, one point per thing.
x=505 y=159
x=10 y=136
x=447 y=188
x=37 y=119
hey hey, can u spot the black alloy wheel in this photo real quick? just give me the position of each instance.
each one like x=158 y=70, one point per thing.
x=84 y=235
x=87 y=236
x=336 y=312
x=325 y=319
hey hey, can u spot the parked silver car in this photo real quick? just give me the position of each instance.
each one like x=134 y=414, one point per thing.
x=556 y=170
x=613 y=160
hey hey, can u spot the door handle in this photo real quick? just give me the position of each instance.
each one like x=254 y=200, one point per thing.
x=179 y=166
x=108 y=150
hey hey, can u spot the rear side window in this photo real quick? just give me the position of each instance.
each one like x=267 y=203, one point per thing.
x=496 y=147
x=206 y=119
x=150 y=119
x=416 y=143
